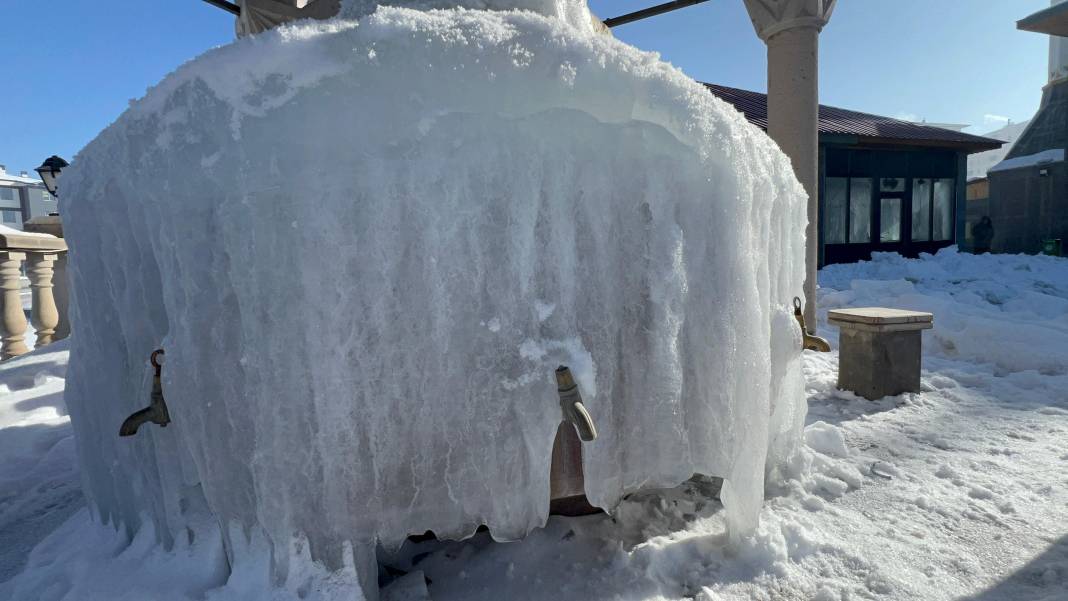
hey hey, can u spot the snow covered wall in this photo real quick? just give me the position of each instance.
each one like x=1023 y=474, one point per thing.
x=365 y=245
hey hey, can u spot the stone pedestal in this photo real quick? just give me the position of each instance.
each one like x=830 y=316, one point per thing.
x=879 y=350
x=46 y=224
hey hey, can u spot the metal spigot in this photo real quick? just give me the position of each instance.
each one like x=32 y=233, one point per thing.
x=809 y=341
x=571 y=405
x=156 y=412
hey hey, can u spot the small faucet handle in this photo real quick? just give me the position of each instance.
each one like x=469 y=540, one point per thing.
x=582 y=421
x=809 y=342
x=156 y=412
x=574 y=411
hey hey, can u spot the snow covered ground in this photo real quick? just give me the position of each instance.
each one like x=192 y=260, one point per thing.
x=39 y=486
x=957 y=492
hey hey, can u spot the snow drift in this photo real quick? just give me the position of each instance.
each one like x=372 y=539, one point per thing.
x=366 y=243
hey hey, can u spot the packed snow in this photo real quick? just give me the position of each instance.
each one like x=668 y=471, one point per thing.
x=957 y=492
x=39 y=485
x=347 y=236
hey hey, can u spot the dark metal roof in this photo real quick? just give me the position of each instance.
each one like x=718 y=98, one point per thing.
x=1053 y=20
x=866 y=128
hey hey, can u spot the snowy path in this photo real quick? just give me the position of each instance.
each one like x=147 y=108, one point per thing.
x=39 y=486
x=958 y=492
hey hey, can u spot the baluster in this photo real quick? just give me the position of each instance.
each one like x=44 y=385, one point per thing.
x=61 y=292
x=45 y=315
x=13 y=322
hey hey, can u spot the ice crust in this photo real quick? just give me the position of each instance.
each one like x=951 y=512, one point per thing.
x=366 y=244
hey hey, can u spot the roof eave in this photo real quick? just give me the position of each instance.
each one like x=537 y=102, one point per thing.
x=1051 y=21
x=967 y=146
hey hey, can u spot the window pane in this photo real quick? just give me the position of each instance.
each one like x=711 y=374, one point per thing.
x=10 y=217
x=943 y=209
x=9 y=198
x=860 y=210
x=890 y=220
x=834 y=210
x=892 y=184
x=921 y=210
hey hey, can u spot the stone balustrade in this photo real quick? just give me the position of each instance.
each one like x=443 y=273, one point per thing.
x=45 y=258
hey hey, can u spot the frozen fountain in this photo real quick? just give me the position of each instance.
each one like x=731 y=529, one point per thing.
x=366 y=244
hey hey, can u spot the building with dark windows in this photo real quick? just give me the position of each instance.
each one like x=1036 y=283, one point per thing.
x=1029 y=188
x=21 y=198
x=886 y=185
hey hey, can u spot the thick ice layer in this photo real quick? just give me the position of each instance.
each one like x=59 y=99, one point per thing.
x=365 y=246
x=574 y=12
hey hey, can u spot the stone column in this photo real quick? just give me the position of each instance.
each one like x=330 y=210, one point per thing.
x=45 y=315
x=13 y=321
x=791 y=30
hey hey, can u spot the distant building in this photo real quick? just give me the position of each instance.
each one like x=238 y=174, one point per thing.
x=979 y=164
x=886 y=185
x=1029 y=188
x=22 y=197
x=952 y=126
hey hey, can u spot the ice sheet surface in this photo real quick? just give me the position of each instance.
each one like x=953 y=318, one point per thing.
x=365 y=244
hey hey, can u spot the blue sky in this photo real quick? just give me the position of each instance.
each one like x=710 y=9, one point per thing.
x=71 y=66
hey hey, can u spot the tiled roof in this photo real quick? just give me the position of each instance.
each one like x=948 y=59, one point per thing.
x=865 y=127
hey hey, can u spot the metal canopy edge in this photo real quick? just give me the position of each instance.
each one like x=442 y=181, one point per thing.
x=1052 y=21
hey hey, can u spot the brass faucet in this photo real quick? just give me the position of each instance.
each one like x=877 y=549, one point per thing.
x=809 y=341
x=571 y=405
x=156 y=412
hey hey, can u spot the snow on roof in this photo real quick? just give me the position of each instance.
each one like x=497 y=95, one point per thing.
x=1054 y=155
x=7 y=179
x=865 y=126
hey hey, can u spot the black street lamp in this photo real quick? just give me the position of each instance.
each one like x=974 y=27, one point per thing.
x=49 y=172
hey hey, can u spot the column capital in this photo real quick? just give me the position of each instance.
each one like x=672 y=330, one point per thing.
x=774 y=16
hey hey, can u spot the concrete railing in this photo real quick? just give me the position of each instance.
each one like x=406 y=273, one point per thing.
x=45 y=259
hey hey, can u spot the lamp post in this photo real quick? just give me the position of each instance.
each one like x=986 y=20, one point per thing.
x=51 y=289
x=49 y=172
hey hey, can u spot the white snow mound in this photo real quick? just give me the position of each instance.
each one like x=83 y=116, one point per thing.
x=345 y=234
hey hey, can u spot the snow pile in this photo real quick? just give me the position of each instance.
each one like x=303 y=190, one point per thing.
x=85 y=561
x=1008 y=310
x=366 y=245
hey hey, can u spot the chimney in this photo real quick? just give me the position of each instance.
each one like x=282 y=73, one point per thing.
x=3 y=168
x=1058 y=54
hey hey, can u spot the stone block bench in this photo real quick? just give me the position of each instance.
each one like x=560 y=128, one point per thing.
x=879 y=349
